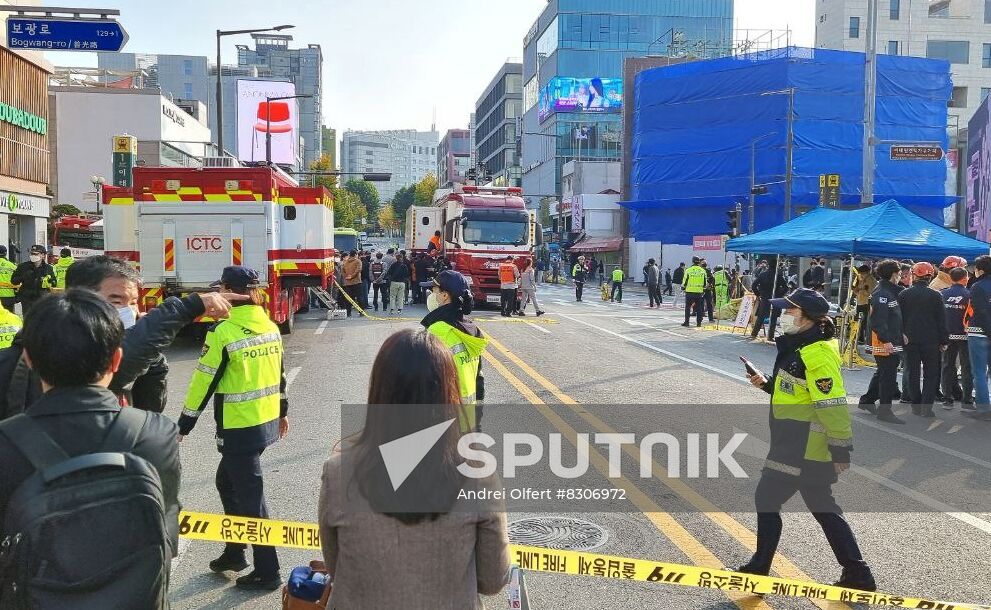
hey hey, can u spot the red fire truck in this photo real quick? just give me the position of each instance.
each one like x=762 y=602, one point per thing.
x=81 y=234
x=480 y=226
x=183 y=226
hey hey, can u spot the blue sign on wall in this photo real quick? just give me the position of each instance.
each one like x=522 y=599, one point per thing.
x=53 y=34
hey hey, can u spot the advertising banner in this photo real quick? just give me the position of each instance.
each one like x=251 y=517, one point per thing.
x=565 y=94
x=707 y=242
x=979 y=174
x=256 y=114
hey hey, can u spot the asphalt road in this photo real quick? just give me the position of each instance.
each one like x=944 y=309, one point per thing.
x=919 y=490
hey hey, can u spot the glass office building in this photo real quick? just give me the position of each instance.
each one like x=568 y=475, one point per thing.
x=573 y=74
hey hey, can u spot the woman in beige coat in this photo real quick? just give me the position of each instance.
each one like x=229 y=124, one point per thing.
x=417 y=546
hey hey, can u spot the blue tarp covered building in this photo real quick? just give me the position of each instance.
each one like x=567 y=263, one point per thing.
x=885 y=230
x=695 y=123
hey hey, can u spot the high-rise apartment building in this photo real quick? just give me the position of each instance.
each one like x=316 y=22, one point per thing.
x=453 y=157
x=192 y=77
x=496 y=114
x=958 y=31
x=573 y=74
x=407 y=154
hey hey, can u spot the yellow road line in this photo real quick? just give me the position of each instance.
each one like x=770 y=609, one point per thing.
x=664 y=522
x=731 y=526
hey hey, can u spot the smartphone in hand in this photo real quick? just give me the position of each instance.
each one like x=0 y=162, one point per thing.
x=751 y=369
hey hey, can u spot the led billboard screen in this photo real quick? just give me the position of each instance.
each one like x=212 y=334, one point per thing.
x=565 y=94
x=256 y=114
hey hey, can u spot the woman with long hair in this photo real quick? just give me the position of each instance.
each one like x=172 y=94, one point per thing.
x=438 y=550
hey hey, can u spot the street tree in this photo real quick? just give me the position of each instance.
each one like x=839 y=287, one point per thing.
x=424 y=190
x=368 y=194
x=403 y=200
x=348 y=209
x=323 y=164
x=388 y=220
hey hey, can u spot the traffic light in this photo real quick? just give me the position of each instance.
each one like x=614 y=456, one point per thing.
x=733 y=222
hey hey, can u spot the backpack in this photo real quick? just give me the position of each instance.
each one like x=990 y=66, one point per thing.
x=85 y=532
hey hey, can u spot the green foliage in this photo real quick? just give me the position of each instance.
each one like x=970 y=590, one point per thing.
x=65 y=209
x=368 y=194
x=402 y=201
x=323 y=165
x=348 y=209
x=423 y=191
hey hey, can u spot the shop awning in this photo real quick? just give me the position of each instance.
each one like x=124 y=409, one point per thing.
x=598 y=244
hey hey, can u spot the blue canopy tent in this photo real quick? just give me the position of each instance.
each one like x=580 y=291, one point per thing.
x=886 y=230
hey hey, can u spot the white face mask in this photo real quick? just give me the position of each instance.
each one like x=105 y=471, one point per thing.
x=128 y=316
x=789 y=324
x=35 y=258
x=432 y=302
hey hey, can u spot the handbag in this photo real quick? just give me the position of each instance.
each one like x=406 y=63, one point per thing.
x=291 y=602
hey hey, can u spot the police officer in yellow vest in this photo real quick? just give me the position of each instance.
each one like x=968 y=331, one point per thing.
x=10 y=324
x=6 y=287
x=241 y=367
x=694 y=285
x=449 y=302
x=811 y=436
x=61 y=267
x=617 y=284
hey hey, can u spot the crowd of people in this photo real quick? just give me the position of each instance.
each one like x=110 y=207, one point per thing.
x=391 y=279
x=83 y=388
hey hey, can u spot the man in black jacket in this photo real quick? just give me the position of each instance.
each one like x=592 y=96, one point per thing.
x=956 y=300
x=141 y=378
x=764 y=285
x=924 y=326
x=886 y=342
x=73 y=343
x=35 y=278
x=979 y=335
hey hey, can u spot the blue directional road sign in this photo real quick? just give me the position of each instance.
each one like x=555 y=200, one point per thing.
x=55 y=34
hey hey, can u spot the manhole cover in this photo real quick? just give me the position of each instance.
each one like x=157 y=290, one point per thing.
x=558 y=533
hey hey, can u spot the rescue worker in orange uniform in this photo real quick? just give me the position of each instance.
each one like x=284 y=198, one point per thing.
x=509 y=283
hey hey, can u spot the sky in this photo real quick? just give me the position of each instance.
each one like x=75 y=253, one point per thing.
x=388 y=64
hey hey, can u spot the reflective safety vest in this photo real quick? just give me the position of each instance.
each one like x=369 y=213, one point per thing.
x=721 y=278
x=617 y=275
x=507 y=273
x=6 y=272
x=810 y=421
x=241 y=364
x=467 y=352
x=695 y=279
x=61 y=268
x=10 y=323
x=436 y=242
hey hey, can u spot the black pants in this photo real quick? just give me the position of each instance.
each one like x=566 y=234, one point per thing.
x=654 y=292
x=863 y=314
x=952 y=382
x=693 y=299
x=353 y=291
x=8 y=302
x=508 y=301
x=616 y=286
x=578 y=290
x=669 y=289
x=707 y=300
x=242 y=492
x=928 y=357
x=884 y=383
x=774 y=490
x=28 y=302
x=384 y=290
x=763 y=308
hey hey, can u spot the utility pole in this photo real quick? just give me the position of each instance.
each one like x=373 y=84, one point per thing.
x=789 y=169
x=870 y=104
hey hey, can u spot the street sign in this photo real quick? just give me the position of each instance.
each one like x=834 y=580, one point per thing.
x=909 y=152
x=65 y=34
x=829 y=190
x=125 y=156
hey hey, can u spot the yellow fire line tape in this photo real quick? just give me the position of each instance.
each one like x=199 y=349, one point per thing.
x=298 y=535
x=533 y=320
